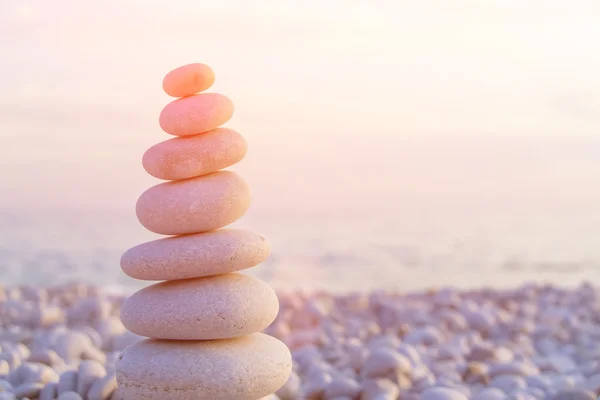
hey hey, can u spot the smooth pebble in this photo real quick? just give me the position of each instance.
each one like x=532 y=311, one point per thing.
x=574 y=394
x=382 y=362
x=188 y=80
x=291 y=389
x=49 y=392
x=192 y=156
x=31 y=389
x=442 y=393
x=70 y=396
x=196 y=114
x=103 y=388
x=245 y=368
x=89 y=371
x=489 y=394
x=342 y=386
x=197 y=255
x=379 y=389
x=215 y=307
x=194 y=205
x=67 y=382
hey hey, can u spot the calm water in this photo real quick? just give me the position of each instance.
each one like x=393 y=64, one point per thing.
x=339 y=253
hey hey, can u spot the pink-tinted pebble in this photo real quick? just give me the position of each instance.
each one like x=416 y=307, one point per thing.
x=196 y=114
x=194 y=256
x=215 y=307
x=188 y=157
x=194 y=205
x=188 y=80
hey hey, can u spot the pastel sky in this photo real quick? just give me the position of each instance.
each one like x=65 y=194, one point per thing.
x=345 y=103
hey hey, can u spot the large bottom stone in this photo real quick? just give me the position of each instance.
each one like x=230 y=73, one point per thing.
x=245 y=368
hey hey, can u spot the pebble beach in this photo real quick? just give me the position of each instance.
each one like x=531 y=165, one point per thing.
x=532 y=342
x=364 y=200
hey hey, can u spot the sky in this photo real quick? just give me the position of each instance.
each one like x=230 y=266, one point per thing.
x=349 y=104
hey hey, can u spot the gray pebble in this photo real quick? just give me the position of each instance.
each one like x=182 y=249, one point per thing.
x=513 y=368
x=12 y=357
x=93 y=335
x=382 y=362
x=94 y=354
x=28 y=389
x=43 y=374
x=5 y=386
x=49 y=392
x=69 y=396
x=508 y=383
x=490 y=394
x=32 y=373
x=357 y=354
x=70 y=345
x=574 y=395
x=23 y=351
x=521 y=395
x=378 y=389
x=442 y=393
x=103 y=388
x=314 y=386
x=561 y=363
x=592 y=384
x=108 y=329
x=87 y=374
x=538 y=381
x=46 y=356
x=428 y=336
x=67 y=382
x=342 y=386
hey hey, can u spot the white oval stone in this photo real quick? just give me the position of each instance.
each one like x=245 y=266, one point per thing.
x=216 y=307
x=194 y=205
x=245 y=368
x=195 y=256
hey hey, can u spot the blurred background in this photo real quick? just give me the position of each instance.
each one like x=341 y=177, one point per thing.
x=392 y=144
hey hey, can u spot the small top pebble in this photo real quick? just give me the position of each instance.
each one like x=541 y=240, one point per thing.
x=188 y=80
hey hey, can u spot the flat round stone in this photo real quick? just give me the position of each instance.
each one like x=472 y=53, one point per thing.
x=196 y=114
x=194 y=205
x=194 y=256
x=188 y=80
x=191 y=156
x=215 y=307
x=245 y=368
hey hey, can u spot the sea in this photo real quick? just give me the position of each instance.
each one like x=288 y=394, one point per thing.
x=397 y=251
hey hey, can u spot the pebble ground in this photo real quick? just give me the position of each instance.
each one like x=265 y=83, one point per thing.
x=533 y=342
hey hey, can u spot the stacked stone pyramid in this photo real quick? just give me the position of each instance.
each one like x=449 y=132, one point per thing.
x=203 y=322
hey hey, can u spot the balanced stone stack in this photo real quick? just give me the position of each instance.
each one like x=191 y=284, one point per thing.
x=204 y=321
